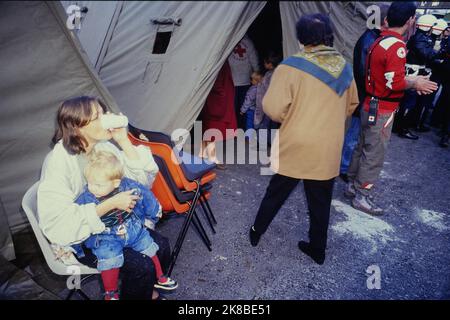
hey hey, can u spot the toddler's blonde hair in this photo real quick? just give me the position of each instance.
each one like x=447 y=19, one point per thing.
x=103 y=162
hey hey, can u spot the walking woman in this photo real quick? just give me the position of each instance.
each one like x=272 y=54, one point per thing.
x=311 y=94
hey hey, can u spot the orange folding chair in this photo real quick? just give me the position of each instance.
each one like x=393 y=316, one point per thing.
x=174 y=200
x=184 y=173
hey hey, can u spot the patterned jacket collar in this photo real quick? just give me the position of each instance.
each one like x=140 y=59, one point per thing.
x=326 y=64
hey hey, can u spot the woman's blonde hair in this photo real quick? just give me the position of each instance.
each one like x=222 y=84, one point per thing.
x=104 y=163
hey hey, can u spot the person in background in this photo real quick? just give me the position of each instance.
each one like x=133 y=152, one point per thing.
x=261 y=120
x=420 y=55
x=424 y=104
x=444 y=100
x=308 y=144
x=436 y=115
x=218 y=113
x=249 y=105
x=385 y=85
x=243 y=61
x=359 y=67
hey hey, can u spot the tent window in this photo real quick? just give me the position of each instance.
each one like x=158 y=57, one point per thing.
x=162 y=40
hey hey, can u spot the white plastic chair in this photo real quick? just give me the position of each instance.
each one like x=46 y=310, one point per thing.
x=29 y=205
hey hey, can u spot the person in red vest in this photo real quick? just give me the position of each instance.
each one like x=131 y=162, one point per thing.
x=218 y=113
x=386 y=82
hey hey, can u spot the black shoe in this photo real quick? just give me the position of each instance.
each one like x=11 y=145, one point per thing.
x=318 y=257
x=444 y=142
x=423 y=129
x=408 y=135
x=254 y=236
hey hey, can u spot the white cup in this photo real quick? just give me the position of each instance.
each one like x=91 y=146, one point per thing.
x=111 y=121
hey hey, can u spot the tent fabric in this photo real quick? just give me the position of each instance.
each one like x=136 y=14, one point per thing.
x=101 y=18
x=164 y=92
x=348 y=18
x=42 y=65
x=6 y=243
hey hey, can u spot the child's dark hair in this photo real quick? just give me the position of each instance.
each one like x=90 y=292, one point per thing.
x=273 y=58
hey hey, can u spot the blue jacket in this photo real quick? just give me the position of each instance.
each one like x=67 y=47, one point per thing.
x=359 y=62
x=147 y=206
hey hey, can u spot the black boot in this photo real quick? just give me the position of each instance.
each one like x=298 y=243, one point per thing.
x=254 y=236
x=317 y=256
x=405 y=133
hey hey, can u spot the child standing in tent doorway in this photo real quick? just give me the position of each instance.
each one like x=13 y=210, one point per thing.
x=218 y=115
x=104 y=174
x=249 y=105
x=262 y=121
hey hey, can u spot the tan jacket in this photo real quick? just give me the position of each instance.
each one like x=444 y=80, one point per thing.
x=312 y=116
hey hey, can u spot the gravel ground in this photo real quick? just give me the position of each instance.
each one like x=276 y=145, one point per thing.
x=409 y=244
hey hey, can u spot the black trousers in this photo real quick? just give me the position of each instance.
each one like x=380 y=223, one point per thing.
x=138 y=272
x=444 y=103
x=318 y=196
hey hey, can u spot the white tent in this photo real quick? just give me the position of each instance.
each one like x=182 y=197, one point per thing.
x=167 y=91
x=43 y=63
x=162 y=91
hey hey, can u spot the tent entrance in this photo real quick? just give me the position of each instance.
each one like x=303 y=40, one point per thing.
x=266 y=32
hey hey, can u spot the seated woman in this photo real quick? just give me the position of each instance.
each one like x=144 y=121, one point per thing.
x=64 y=222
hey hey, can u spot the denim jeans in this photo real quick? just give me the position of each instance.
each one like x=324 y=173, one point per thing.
x=138 y=271
x=350 y=142
x=108 y=246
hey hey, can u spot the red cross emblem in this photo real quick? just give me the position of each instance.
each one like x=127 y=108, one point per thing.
x=239 y=50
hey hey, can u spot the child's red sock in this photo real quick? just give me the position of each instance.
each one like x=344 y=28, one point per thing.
x=110 y=279
x=159 y=273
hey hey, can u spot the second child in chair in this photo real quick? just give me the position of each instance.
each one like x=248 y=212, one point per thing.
x=249 y=105
x=105 y=178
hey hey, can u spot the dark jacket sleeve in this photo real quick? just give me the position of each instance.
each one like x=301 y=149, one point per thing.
x=359 y=59
x=422 y=52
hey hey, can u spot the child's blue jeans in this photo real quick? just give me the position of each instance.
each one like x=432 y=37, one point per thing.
x=108 y=245
x=249 y=116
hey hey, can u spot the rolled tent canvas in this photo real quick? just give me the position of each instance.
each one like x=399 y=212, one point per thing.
x=164 y=92
x=42 y=65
